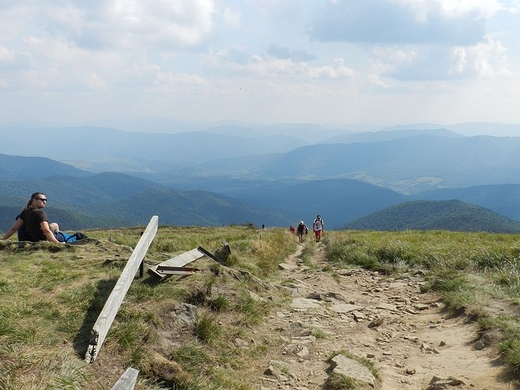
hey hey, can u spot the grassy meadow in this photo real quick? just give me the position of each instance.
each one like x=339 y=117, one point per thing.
x=50 y=296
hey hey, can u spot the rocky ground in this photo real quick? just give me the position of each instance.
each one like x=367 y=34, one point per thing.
x=412 y=341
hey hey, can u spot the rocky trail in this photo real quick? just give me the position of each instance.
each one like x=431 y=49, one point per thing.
x=412 y=341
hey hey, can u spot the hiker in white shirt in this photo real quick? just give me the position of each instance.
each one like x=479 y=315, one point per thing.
x=318 y=226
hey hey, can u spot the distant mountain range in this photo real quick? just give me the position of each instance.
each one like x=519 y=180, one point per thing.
x=115 y=200
x=408 y=165
x=220 y=178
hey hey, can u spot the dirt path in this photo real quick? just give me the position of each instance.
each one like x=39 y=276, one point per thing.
x=407 y=336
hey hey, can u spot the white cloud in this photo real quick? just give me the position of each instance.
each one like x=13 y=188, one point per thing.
x=274 y=68
x=487 y=59
x=396 y=22
x=476 y=8
x=231 y=17
x=266 y=7
x=115 y=24
x=96 y=82
x=7 y=57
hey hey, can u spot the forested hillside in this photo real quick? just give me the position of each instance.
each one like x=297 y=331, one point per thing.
x=450 y=215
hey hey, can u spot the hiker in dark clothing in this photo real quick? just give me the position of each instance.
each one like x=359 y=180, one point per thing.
x=301 y=230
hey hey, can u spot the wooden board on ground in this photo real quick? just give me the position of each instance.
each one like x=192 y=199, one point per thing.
x=127 y=380
x=177 y=261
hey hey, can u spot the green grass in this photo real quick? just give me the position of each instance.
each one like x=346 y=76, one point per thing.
x=50 y=299
x=207 y=328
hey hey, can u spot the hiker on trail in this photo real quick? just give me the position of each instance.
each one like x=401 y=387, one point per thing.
x=318 y=226
x=35 y=221
x=301 y=230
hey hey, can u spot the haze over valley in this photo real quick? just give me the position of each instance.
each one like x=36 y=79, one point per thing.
x=228 y=175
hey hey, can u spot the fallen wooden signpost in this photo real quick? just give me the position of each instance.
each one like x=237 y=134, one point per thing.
x=176 y=265
x=161 y=270
x=127 y=380
x=107 y=315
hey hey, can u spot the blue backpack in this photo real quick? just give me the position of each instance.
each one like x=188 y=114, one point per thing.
x=65 y=237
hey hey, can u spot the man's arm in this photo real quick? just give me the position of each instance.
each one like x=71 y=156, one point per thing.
x=48 y=233
x=17 y=225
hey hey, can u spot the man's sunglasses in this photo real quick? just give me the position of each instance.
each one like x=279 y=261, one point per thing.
x=42 y=199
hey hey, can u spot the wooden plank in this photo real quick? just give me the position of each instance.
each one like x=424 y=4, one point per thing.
x=107 y=315
x=176 y=270
x=127 y=380
x=177 y=261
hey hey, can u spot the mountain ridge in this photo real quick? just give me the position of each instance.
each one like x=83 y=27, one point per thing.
x=106 y=199
x=341 y=180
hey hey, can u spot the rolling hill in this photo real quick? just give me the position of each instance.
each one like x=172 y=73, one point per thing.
x=30 y=168
x=185 y=208
x=501 y=198
x=117 y=200
x=379 y=136
x=452 y=215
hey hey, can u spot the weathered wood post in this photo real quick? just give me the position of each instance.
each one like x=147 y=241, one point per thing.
x=107 y=315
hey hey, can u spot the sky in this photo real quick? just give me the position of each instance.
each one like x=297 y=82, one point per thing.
x=375 y=62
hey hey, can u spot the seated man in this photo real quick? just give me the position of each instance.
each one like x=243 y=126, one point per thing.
x=34 y=220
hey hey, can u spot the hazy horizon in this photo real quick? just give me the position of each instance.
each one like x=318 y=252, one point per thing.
x=171 y=125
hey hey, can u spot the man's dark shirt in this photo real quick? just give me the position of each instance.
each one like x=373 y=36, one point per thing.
x=23 y=234
x=32 y=219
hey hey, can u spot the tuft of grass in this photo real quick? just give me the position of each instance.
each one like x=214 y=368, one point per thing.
x=307 y=254
x=251 y=309
x=207 y=328
x=220 y=303
x=319 y=334
x=367 y=363
x=510 y=348
x=337 y=381
x=192 y=356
